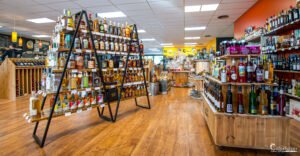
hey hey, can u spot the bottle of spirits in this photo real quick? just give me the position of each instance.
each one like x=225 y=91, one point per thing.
x=229 y=104
x=95 y=23
x=240 y=107
x=273 y=106
x=270 y=71
x=249 y=69
x=259 y=73
x=281 y=103
x=242 y=71
x=101 y=44
x=105 y=25
x=101 y=26
x=34 y=105
x=70 y=22
x=223 y=75
x=263 y=106
x=233 y=72
x=65 y=104
x=252 y=101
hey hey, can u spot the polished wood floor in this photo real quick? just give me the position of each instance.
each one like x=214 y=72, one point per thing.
x=174 y=126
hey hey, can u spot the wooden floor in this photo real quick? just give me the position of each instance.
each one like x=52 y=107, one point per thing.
x=174 y=126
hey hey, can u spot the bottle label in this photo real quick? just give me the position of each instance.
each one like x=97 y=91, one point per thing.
x=298 y=66
x=223 y=77
x=249 y=69
x=241 y=109
x=259 y=75
x=266 y=75
x=229 y=108
x=241 y=70
x=233 y=76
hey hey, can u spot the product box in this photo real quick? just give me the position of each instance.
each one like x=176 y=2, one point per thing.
x=295 y=109
x=254 y=49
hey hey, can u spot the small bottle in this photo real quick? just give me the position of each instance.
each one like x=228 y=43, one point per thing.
x=34 y=105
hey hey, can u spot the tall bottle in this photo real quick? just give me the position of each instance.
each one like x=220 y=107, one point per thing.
x=249 y=69
x=281 y=102
x=70 y=22
x=223 y=75
x=271 y=71
x=96 y=27
x=233 y=72
x=252 y=101
x=240 y=107
x=229 y=104
x=242 y=71
x=221 y=99
x=263 y=106
x=259 y=73
x=273 y=105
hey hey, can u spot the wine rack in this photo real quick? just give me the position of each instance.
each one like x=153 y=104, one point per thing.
x=20 y=76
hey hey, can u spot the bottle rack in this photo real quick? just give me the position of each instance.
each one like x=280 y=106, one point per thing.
x=110 y=89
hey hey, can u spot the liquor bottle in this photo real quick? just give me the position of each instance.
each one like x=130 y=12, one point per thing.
x=34 y=105
x=105 y=25
x=233 y=72
x=112 y=45
x=65 y=104
x=123 y=31
x=101 y=27
x=77 y=44
x=281 y=103
x=86 y=100
x=222 y=104
x=223 y=75
x=119 y=30
x=85 y=80
x=101 y=44
x=242 y=72
x=116 y=43
x=93 y=99
x=70 y=22
x=127 y=30
x=96 y=43
x=273 y=105
x=110 y=28
x=270 y=71
x=73 y=82
x=107 y=44
x=79 y=101
x=91 y=62
x=121 y=46
x=259 y=73
x=229 y=104
x=249 y=69
x=263 y=106
x=252 y=101
x=240 y=107
x=95 y=23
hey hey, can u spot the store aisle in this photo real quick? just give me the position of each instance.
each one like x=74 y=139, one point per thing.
x=174 y=126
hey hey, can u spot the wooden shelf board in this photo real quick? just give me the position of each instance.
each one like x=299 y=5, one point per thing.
x=292 y=96
x=239 y=84
x=285 y=50
x=287 y=71
x=284 y=29
x=237 y=56
x=254 y=39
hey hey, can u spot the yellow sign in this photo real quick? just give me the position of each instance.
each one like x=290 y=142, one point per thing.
x=172 y=52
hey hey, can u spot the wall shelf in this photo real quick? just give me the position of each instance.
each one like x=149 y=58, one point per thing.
x=237 y=56
x=237 y=83
x=287 y=71
x=284 y=29
x=289 y=49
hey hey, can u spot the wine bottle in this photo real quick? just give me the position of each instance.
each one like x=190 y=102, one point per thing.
x=273 y=105
x=281 y=103
x=252 y=101
x=259 y=73
x=233 y=72
x=223 y=75
x=249 y=69
x=240 y=107
x=229 y=105
x=263 y=106
x=242 y=71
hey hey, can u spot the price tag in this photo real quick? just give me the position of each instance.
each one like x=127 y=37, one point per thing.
x=104 y=69
x=107 y=35
x=88 y=51
x=282 y=49
x=97 y=88
x=44 y=94
x=73 y=91
x=112 y=86
x=101 y=34
x=102 y=105
x=88 y=89
x=296 y=47
x=68 y=114
x=89 y=109
x=74 y=70
x=94 y=70
x=290 y=48
x=78 y=50
x=69 y=28
x=79 y=111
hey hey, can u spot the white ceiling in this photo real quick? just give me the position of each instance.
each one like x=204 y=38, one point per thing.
x=163 y=20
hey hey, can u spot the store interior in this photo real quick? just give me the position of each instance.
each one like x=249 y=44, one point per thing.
x=150 y=77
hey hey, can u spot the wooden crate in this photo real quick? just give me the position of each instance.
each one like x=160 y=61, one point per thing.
x=244 y=130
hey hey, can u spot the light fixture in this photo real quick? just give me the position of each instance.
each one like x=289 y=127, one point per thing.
x=141 y=31
x=192 y=38
x=170 y=46
x=209 y=7
x=223 y=17
x=190 y=43
x=111 y=14
x=194 y=28
x=1 y=26
x=14 y=34
x=41 y=20
x=41 y=36
x=192 y=8
x=20 y=42
x=148 y=39
x=166 y=44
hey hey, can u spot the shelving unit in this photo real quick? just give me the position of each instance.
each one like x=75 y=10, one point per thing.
x=284 y=29
x=108 y=88
x=283 y=50
x=237 y=83
x=287 y=71
x=237 y=56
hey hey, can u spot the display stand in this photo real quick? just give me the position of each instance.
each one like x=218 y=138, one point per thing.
x=125 y=75
x=49 y=117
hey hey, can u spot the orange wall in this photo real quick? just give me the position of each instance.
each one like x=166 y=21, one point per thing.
x=258 y=13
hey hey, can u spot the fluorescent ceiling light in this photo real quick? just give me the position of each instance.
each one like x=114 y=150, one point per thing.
x=41 y=20
x=148 y=39
x=192 y=38
x=141 y=31
x=192 y=8
x=154 y=49
x=166 y=44
x=111 y=14
x=193 y=43
x=209 y=7
x=41 y=36
x=194 y=28
x=1 y=26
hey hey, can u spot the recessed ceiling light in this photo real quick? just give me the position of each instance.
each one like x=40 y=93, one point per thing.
x=223 y=17
x=148 y=39
x=41 y=20
x=1 y=26
x=166 y=44
x=190 y=43
x=141 y=31
x=209 y=7
x=41 y=36
x=111 y=14
x=192 y=38
x=192 y=8
x=194 y=28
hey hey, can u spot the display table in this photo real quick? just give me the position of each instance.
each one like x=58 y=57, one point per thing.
x=181 y=78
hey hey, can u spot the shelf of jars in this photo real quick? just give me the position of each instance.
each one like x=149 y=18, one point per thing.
x=281 y=50
x=284 y=28
x=237 y=56
x=211 y=78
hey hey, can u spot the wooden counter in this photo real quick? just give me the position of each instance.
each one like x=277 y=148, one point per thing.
x=245 y=130
x=181 y=78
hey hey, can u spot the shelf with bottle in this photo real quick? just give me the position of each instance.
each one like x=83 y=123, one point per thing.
x=109 y=35
x=283 y=29
x=253 y=39
x=287 y=71
x=238 y=83
x=236 y=48
x=253 y=34
x=275 y=51
x=292 y=96
x=101 y=52
x=226 y=56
